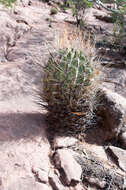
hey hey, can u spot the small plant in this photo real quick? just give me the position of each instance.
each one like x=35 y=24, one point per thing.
x=7 y=3
x=69 y=86
x=78 y=7
x=65 y=5
x=118 y=14
x=119 y=29
x=53 y=11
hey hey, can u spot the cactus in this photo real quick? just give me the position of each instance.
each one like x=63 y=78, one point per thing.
x=68 y=86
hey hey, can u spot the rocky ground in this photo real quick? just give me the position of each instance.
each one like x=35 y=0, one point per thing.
x=28 y=160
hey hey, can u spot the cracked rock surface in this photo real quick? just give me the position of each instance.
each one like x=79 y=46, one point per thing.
x=24 y=148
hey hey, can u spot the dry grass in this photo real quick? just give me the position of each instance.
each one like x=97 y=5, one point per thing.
x=73 y=37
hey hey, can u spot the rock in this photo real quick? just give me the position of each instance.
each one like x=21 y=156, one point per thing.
x=97 y=150
x=119 y=156
x=70 y=20
x=55 y=182
x=41 y=186
x=112 y=109
x=105 y=18
x=93 y=181
x=61 y=142
x=41 y=175
x=24 y=3
x=117 y=68
x=122 y=139
x=71 y=169
x=95 y=171
x=25 y=184
x=23 y=144
x=97 y=18
x=78 y=187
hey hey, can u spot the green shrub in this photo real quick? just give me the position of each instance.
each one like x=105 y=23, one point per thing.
x=78 y=7
x=53 y=11
x=7 y=2
x=69 y=87
x=65 y=5
x=118 y=14
x=119 y=29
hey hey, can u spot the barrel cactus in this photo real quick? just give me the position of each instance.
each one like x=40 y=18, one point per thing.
x=69 y=85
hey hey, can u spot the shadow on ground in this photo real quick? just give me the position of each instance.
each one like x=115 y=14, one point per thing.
x=16 y=126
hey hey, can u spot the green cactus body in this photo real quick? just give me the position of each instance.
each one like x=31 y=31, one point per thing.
x=67 y=86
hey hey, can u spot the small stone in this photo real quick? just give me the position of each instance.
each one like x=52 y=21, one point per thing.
x=71 y=169
x=120 y=156
x=42 y=175
x=64 y=142
x=55 y=182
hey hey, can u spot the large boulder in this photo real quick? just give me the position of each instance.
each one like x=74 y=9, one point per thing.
x=99 y=20
x=111 y=107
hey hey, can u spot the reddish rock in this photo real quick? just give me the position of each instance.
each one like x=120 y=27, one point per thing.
x=98 y=18
x=60 y=142
x=41 y=175
x=24 y=3
x=55 y=182
x=23 y=141
x=25 y=184
x=41 y=186
x=71 y=169
x=112 y=109
x=119 y=155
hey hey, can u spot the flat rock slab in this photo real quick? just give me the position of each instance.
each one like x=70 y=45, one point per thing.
x=23 y=50
x=23 y=140
x=71 y=169
x=19 y=85
x=23 y=145
x=119 y=156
